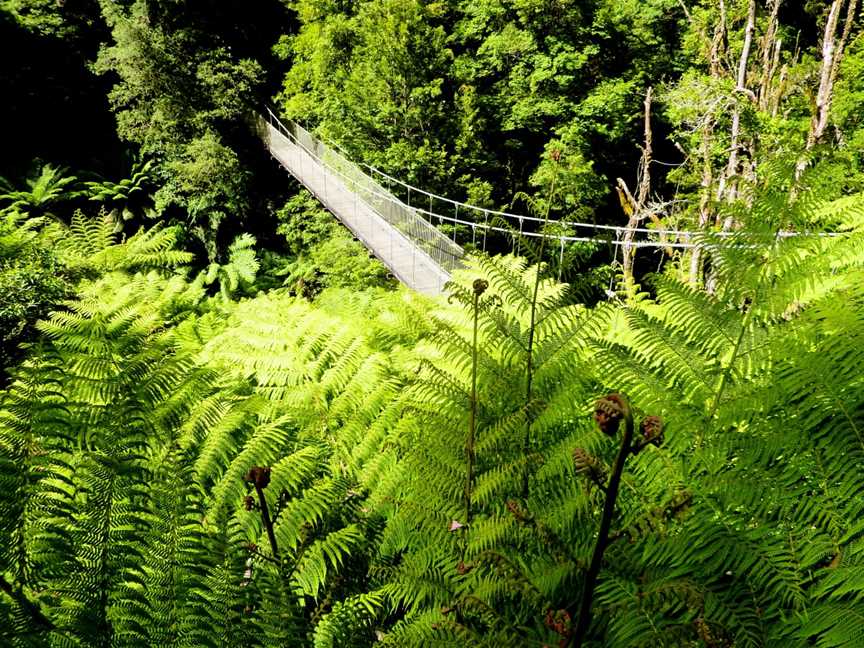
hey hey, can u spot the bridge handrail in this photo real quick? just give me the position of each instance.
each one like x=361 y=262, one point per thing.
x=521 y=218
x=693 y=239
x=380 y=192
x=389 y=197
x=404 y=218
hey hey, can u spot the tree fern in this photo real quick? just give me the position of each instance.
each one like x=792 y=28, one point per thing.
x=128 y=198
x=52 y=186
x=391 y=429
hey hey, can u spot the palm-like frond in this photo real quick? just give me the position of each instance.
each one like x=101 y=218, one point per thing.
x=50 y=187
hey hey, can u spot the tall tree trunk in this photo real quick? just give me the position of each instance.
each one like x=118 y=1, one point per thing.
x=704 y=199
x=770 y=46
x=716 y=56
x=638 y=204
x=832 y=54
x=779 y=90
x=851 y=10
x=727 y=187
x=718 y=43
x=819 y=121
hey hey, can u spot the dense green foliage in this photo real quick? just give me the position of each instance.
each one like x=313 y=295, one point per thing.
x=127 y=436
x=322 y=255
x=468 y=95
x=223 y=423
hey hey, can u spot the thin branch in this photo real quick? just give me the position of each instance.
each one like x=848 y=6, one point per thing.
x=263 y=556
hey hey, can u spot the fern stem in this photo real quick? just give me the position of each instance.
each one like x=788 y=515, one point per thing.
x=584 y=618
x=529 y=363
x=479 y=287
x=104 y=628
x=268 y=523
x=843 y=409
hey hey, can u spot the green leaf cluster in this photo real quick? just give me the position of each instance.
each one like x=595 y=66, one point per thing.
x=181 y=92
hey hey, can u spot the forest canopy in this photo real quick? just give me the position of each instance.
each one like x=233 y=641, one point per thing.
x=634 y=416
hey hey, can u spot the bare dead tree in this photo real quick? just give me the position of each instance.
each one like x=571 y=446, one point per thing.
x=832 y=54
x=726 y=187
x=638 y=204
x=771 y=45
x=768 y=86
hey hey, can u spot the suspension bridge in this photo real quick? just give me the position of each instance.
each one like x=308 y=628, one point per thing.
x=399 y=223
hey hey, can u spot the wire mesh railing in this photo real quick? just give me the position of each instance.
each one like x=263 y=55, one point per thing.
x=427 y=239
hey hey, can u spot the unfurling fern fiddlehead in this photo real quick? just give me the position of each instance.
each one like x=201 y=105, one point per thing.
x=480 y=286
x=610 y=412
x=259 y=477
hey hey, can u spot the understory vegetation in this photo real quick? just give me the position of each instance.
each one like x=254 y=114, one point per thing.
x=223 y=422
